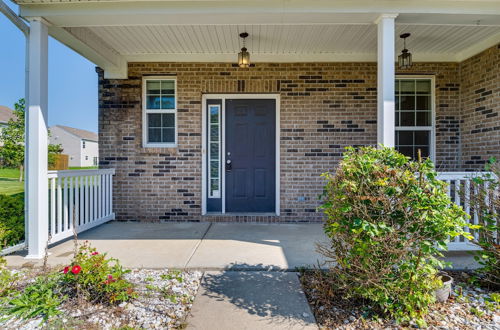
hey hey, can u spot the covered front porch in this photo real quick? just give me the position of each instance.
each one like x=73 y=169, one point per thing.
x=207 y=246
x=337 y=61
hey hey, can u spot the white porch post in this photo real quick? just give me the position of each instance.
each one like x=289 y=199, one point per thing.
x=36 y=140
x=385 y=80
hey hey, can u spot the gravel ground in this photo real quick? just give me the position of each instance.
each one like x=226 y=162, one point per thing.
x=164 y=300
x=467 y=308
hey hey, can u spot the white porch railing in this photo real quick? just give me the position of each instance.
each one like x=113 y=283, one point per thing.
x=461 y=190
x=79 y=198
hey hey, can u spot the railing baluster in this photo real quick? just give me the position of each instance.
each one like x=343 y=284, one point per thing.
x=87 y=203
x=52 y=206
x=91 y=198
x=77 y=202
x=110 y=193
x=476 y=212
x=81 y=219
x=96 y=197
x=59 y=206
x=467 y=200
x=456 y=190
x=71 y=203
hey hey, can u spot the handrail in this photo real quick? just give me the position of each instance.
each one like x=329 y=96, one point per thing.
x=73 y=173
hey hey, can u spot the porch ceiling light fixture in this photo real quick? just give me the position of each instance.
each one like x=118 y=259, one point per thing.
x=404 y=60
x=244 y=55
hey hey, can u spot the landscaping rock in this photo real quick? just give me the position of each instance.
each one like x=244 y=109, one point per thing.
x=164 y=299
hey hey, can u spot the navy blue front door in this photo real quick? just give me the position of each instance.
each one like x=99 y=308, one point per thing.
x=250 y=168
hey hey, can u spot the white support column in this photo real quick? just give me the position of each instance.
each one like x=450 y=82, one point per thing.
x=36 y=140
x=385 y=80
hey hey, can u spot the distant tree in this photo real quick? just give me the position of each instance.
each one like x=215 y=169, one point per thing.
x=12 y=137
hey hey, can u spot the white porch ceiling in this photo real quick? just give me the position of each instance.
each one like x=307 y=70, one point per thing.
x=113 y=32
x=306 y=41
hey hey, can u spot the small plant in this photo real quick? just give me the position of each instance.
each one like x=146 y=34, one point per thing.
x=388 y=218
x=97 y=278
x=39 y=299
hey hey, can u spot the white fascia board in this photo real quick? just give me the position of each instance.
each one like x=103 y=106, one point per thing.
x=245 y=12
x=281 y=58
x=90 y=46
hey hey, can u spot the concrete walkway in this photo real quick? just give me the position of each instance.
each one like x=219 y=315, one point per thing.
x=250 y=300
x=205 y=246
x=202 y=246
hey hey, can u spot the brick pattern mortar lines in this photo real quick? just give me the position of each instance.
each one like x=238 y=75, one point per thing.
x=324 y=108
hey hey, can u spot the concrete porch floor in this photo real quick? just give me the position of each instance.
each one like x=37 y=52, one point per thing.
x=205 y=246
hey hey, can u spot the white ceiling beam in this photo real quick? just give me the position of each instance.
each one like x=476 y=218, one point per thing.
x=90 y=46
x=16 y=20
x=262 y=12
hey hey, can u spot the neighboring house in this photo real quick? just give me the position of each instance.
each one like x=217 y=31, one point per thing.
x=197 y=134
x=6 y=114
x=80 y=145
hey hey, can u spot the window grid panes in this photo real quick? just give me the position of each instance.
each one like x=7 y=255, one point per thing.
x=160 y=112
x=414 y=116
x=214 y=162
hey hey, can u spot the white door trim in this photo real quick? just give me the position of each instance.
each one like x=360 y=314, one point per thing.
x=223 y=98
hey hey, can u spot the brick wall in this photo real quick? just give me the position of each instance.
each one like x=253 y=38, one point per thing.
x=480 y=97
x=324 y=108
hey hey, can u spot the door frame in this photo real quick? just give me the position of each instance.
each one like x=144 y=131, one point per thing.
x=204 y=183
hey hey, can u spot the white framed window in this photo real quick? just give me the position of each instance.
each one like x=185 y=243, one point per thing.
x=415 y=116
x=159 y=104
x=83 y=144
x=214 y=147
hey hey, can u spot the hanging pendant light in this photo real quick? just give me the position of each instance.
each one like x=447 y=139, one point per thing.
x=244 y=55
x=404 y=60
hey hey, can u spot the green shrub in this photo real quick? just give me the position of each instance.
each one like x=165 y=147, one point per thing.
x=11 y=219
x=387 y=219
x=97 y=278
x=486 y=201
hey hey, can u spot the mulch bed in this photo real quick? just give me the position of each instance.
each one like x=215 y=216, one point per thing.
x=468 y=307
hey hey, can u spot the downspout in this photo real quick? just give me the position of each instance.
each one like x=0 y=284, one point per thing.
x=25 y=29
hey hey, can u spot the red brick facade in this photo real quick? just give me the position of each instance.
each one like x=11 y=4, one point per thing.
x=480 y=98
x=324 y=108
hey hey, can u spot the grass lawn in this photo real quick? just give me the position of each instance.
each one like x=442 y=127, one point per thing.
x=12 y=173
x=11 y=186
x=9 y=179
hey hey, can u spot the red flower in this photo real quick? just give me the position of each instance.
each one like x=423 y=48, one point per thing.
x=94 y=253
x=76 y=269
x=66 y=270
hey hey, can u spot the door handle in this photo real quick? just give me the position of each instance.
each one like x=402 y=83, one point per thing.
x=229 y=165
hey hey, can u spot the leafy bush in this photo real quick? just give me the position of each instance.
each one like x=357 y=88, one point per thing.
x=41 y=298
x=97 y=278
x=486 y=200
x=387 y=219
x=11 y=219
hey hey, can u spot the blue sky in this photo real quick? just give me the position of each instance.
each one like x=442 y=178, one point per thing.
x=72 y=79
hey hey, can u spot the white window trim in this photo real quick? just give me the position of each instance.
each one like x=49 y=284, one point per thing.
x=145 y=111
x=432 y=128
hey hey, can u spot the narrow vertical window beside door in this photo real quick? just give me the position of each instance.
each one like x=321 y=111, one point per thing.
x=214 y=148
